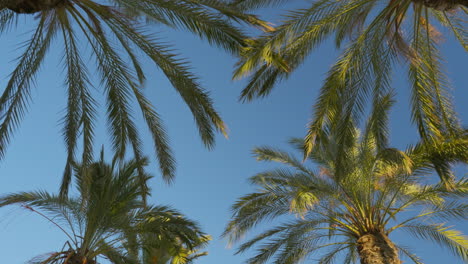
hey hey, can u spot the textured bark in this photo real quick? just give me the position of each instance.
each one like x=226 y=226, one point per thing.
x=377 y=249
x=443 y=5
x=74 y=258
x=32 y=6
x=79 y=260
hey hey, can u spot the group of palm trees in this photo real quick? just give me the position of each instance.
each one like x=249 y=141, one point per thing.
x=345 y=206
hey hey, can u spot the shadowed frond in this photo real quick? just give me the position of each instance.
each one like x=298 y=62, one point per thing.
x=111 y=33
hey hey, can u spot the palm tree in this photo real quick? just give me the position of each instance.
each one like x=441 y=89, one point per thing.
x=349 y=202
x=106 y=29
x=108 y=212
x=375 y=34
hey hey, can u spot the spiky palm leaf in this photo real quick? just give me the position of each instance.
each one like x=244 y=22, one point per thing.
x=108 y=211
x=376 y=33
x=350 y=201
x=160 y=251
x=106 y=27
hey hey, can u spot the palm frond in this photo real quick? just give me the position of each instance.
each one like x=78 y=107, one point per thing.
x=456 y=24
x=274 y=55
x=7 y=19
x=364 y=68
x=377 y=124
x=81 y=106
x=15 y=97
x=192 y=16
x=432 y=108
x=253 y=4
x=270 y=154
x=445 y=236
x=406 y=251
x=177 y=71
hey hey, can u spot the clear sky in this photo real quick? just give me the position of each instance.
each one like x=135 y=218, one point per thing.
x=207 y=182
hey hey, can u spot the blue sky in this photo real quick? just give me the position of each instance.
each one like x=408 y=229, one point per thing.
x=207 y=182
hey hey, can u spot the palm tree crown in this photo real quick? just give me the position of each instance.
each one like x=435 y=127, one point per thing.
x=108 y=218
x=168 y=252
x=376 y=34
x=353 y=198
x=104 y=28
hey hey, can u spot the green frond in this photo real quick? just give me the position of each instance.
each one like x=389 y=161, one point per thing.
x=289 y=183
x=290 y=246
x=119 y=83
x=114 y=255
x=253 y=4
x=270 y=154
x=264 y=235
x=456 y=24
x=441 y=212
x=445 y=236
x=81 y=106
x=440 y=155
x=158 y=132
x=431 y=105
x=363 y=69
x=166 y=161
x=279 y=52
x=192 y=16
x=377 y=126
x=351 y=257
x=407 y=252
x=235 y=13
x=453 y=210
x=299 y=241
x=393 y=162
x=330 y=258
x=251 y=210
x=177 y=71
x=15 y=97
x=170 y=225
x=37 y=198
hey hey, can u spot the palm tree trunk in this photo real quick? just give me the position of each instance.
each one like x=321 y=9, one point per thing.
x=443 y=5
x=377 y=249
x=29 y=6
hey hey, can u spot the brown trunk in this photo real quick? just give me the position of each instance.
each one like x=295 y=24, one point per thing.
x=32 y=6
x=377 y=249
x=77 y=259
x=443 y=5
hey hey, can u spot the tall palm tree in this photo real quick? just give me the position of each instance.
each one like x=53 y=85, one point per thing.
x=106 y=28
x=350 y=202
x=107 y=212
x=374 y=35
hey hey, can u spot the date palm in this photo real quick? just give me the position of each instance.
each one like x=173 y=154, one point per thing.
x=107 y=211
x=348 y=203
x=114 y=32
x=374 y=35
